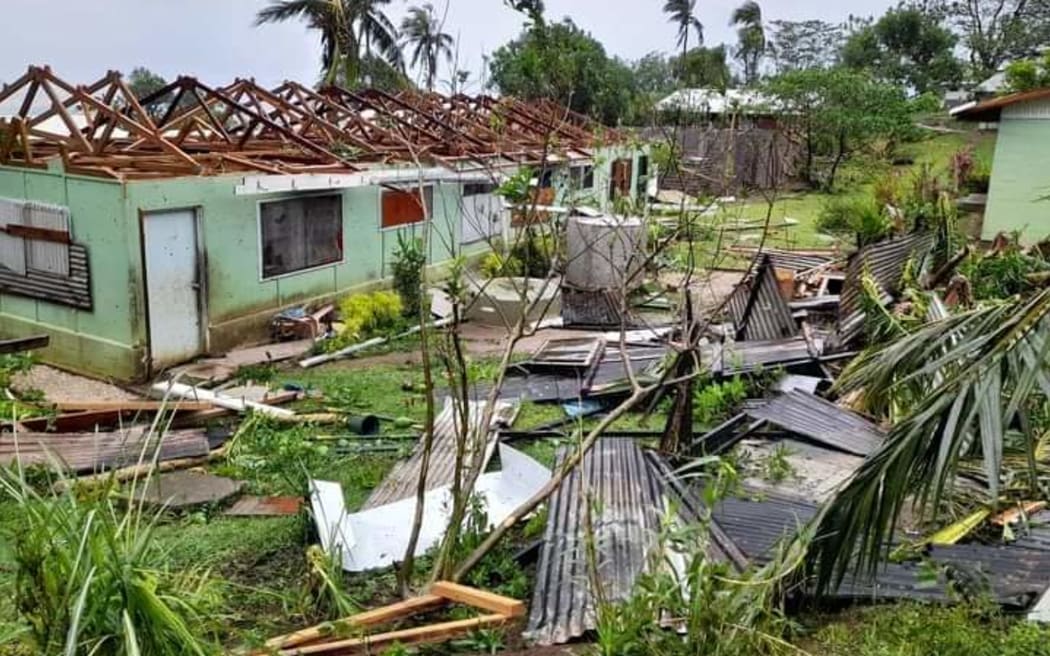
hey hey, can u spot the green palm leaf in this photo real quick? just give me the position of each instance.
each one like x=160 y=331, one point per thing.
x=963 y=380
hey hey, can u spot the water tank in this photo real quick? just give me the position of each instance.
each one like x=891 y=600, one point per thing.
x=603 y=252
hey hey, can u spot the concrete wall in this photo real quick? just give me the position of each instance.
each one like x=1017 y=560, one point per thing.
x=1020 y=178
x=239 y=303
x=106 y=340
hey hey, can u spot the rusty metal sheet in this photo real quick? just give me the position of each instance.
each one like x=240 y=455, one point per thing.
x=89 y=452
x=884 y=261
x=252 y=506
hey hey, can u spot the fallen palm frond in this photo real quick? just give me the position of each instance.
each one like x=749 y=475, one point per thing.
x=961 y=381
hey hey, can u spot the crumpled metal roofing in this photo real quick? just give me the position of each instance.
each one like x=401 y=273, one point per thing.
x=758 y=309
x=624 y=491
x=615 y=483
x=884 y=261
x=1013 y=575
x=740 y=357
x=820 y=420
x=403 y=479
x=608 y=371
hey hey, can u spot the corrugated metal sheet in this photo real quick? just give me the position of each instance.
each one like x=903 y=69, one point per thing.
x=740 y=357
x=12 y=249
x=46 y=256
x=90 y=452
x=1038 y=110
x=884 y=261
x=797 y=260
x=1013 y=576
x=822 y=421
x=403 y=479
x=74 y=290
x=623 y=492
x=574 y=384
x=757 y=308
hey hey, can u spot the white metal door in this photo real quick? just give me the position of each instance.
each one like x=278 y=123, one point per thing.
x=482 y=213
x=172 y=286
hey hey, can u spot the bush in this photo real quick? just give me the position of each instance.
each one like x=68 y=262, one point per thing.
x=861 y=216
x=90 y=578
x=535 y=251
x=409 y=260
x=498 y=265
x=368 y=315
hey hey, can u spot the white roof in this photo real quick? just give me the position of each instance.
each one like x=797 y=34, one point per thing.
x=715 y=101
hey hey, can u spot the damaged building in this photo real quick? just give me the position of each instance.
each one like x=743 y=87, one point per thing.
x=139 y=233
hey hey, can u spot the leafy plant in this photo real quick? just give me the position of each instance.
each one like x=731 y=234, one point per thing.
x=367 y=315
x=1001 y=274
x=776 y=468
x=536 y=252
x=712 y=402
x=860 y=216
x=91 y=579
x=498 y=265
x=407 y=268
x=711 y=608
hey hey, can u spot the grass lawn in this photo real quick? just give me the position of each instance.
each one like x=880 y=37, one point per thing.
x=802 y=208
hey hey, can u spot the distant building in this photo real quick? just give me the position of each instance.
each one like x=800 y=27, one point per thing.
x=1020 y=178
x=749 y=107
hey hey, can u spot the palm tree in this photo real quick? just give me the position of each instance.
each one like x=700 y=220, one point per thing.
x=681 y=12
x=962 y=382
x=329 y=17
x=747 y=18
x=422 y=30
x=351 y=31
x=376 y=35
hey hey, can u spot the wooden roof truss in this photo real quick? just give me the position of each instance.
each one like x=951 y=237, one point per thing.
x=189 y=128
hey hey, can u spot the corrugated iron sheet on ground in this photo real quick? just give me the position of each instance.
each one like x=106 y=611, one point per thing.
x=89 y=452
x=822 y=421
x=609 y=370
x=617 y=484
x=758 y=309
x=1014 y=576
x=403 y=479
x=741 y=357
x=793 y=260
x=884 y=261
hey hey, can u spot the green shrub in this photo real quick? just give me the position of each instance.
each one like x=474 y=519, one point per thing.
x=861 y=216
x=498 y=265
x=407 y=269
x=536 y=252
x=90 y=577
x=368 y=315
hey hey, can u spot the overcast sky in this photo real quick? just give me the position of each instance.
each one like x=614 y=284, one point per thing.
x=215 y=40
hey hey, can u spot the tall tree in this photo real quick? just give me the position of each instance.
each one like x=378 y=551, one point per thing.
x=562 y=62
x=751 y=38
x=351 y=31
x=801 y=45
x=422 y=31
x=143 y=81
x=839 y=112
x=908 y=47
x=376 y=35
x=704 y=68
x=653 y=74
x=997 y=31
x=681 y=13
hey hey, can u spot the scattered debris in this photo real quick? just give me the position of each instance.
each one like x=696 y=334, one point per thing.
x=181 y=490
x=758 y=307
x=184 y=391
x=253 y=506
x=343 y=636
x=403 y=479
x=378 y=536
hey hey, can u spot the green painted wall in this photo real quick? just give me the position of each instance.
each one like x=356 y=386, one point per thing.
x=103 y=341
x=1020 y=177
x=239 y=303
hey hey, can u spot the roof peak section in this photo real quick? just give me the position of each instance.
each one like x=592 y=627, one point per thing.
x=190 y=128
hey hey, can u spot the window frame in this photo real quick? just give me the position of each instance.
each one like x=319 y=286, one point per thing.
x=428 y=197
x=259 y=234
